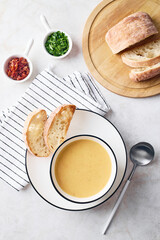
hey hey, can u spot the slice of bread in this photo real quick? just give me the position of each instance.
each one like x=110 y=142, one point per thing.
x=57 y=125
x=33 y=133
x=143 y=56
x=145 y=73
x=129 y=31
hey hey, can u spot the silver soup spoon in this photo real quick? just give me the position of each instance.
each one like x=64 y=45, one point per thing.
x=140 y=154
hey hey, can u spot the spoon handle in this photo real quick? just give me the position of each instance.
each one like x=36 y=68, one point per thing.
x=45 y=23
x=116 y=207
x=29 y=46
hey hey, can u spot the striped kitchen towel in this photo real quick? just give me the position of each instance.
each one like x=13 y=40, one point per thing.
x=46 y=91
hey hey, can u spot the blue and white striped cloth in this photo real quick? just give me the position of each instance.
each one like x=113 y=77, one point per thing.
x=47 y=91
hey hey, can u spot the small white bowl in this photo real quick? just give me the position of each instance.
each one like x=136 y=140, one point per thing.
x=49 y=31
x=69 y=39
x=107 y=186
x=5 y=65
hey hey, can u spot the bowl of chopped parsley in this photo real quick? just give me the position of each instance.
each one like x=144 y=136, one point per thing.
x=58 y=44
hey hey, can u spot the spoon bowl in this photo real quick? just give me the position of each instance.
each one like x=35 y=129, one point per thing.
x=141 y=154
x=5 y=66
x=69 y=39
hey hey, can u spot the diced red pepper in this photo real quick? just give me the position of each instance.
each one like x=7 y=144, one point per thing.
x=18 y=68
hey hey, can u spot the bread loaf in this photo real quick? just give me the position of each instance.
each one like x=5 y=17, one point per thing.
x=57 y=125
x=131 y=30
x=142 y=74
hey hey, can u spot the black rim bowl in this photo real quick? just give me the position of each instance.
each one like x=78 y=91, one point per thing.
x=82 y=135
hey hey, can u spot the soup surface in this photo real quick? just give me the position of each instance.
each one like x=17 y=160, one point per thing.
x=83 y=168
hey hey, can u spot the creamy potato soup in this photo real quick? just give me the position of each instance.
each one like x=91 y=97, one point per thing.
x=83 y=168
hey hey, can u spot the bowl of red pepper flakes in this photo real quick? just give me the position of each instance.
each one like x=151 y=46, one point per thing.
x=18 y=68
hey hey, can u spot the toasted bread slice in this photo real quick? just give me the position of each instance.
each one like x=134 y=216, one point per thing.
x=142 y=74
x=57 y=125
x=143 y=56
x=33 y=133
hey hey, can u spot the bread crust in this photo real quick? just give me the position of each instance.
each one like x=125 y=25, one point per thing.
x=144 y=63
x=145 y=75
x=129 y=31
x=53 y=117
x=26 y=126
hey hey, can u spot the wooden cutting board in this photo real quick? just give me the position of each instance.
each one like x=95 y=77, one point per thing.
x=107 y=68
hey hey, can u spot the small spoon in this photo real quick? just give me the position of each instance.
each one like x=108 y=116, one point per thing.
x=49 y=31
x=140 y=154
x=24 y=55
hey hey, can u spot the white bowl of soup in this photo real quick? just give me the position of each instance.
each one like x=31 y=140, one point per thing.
x=83 y=168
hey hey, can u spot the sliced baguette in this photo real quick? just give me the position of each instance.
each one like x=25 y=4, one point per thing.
x=141 y=74
x=33 y=133
x=57 y=125
x=143 y=56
